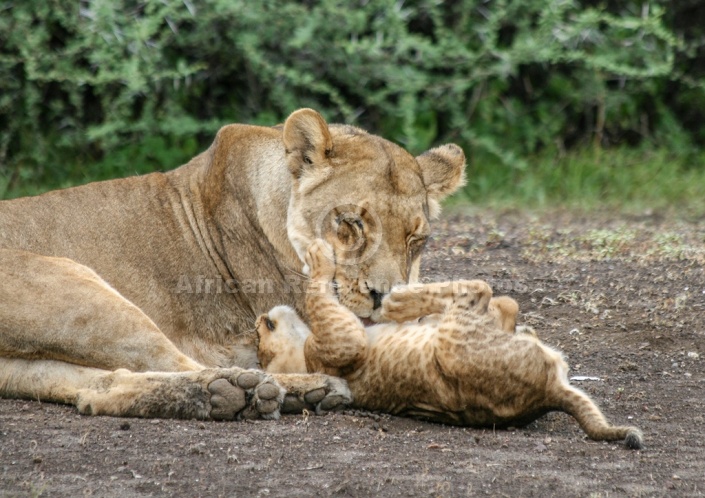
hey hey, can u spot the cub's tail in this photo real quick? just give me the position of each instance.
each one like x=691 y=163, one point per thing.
x=578 y=404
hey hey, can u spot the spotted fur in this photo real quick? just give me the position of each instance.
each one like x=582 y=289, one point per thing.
x=466 y=363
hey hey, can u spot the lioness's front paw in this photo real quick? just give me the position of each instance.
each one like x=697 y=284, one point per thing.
x=246 y=394
x=218 y=393
x=333 y=394
x=321 y=260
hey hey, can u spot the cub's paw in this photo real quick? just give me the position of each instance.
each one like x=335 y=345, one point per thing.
x=476 y=289
x=321 y=260
x=410 y=302
x=246 y=394
x=329 y=395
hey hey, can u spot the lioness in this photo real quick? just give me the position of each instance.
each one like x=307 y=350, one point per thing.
x=466 y=364
x=136 y=297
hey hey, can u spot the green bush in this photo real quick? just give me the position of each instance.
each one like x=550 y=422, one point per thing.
x=102 y=88
x=635 y=180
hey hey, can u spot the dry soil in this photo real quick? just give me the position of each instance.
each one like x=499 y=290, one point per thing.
x=622 y=297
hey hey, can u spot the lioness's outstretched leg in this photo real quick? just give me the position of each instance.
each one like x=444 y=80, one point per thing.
x=58 y=342
x=216 y=393
x=338 y=339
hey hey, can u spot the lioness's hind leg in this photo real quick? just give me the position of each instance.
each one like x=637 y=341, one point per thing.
x=61 y=310
x=219 y=394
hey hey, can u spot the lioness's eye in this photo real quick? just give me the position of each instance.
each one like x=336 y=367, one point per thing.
x=270 y=324
x=421 y=241
x=416 y=245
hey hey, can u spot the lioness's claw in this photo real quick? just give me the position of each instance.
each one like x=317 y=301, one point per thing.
x=333 y=396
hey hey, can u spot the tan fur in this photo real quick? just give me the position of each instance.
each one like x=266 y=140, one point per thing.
x=166 y=272
x=468 y=364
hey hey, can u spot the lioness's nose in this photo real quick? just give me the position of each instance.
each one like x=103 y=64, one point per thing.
x=376 y=298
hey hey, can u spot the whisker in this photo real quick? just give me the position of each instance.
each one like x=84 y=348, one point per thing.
x=300 y=274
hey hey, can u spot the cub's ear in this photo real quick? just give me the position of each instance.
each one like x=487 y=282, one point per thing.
x=307 y=140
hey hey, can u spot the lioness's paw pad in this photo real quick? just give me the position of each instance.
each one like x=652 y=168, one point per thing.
x=247 y=394
x=334 y=395
x=226 y=400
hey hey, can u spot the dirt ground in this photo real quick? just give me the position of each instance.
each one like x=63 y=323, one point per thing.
x=623 y=298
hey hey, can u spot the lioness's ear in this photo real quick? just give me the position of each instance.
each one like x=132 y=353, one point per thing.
x=443 y=173
x=306 y=139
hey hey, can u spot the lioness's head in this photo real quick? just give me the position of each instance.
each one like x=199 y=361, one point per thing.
x=369 y=198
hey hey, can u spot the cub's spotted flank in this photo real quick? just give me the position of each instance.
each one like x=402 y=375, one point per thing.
x=466 y=363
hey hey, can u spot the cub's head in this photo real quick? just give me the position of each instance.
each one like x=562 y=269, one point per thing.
x=281 y=335
x=368 y=197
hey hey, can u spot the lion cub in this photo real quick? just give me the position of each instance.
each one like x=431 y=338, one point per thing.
x=462 y=364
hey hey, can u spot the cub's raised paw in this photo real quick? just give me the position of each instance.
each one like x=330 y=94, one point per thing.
x=315 y=392
x=410 y=302
x=321 y=260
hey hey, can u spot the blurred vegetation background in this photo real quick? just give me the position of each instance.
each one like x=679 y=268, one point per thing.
x=569 y=102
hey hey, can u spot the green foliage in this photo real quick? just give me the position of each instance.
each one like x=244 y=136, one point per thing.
x=620 y=178
x=101 y=88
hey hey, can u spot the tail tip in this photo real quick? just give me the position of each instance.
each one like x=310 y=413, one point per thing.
x=634 y=439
